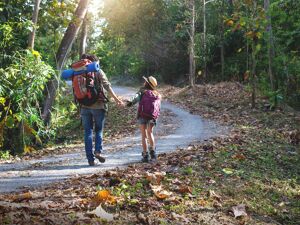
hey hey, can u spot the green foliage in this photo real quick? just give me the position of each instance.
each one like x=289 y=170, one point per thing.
x=21 y=91
x=4 y=155
x=15 y=22
x=53 y=20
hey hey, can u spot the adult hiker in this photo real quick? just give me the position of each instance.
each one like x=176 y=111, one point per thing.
x=94 y=115
x=148 y=112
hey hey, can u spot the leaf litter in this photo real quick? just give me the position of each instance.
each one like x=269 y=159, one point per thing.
x=188 y=186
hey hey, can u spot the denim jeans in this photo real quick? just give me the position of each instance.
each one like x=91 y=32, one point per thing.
x=89 y=116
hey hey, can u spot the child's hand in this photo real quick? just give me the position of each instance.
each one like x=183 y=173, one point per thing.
x=128 y=103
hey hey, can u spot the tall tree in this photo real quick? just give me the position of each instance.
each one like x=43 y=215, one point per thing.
x=192 y=64
x=271 y=53
x=34 y=24
x=61 y=55
x=222 y=50
x=83 y=38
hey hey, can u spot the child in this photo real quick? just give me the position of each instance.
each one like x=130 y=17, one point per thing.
x=148 y=112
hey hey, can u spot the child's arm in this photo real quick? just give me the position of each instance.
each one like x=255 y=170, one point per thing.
x=135 y=98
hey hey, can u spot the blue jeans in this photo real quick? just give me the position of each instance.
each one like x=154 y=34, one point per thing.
x=89 y=116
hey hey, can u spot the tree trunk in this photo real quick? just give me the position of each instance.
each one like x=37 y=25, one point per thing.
x=61 y=54
x=83 y=38
x=34 y=22
x=253 y=76
x=192 y=47
x=271 y=53
x=204 y=39
x=222 y=43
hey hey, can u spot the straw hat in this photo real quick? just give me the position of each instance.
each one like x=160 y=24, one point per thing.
x=151 y=81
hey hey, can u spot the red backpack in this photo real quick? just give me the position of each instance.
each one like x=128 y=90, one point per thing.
x=149 y=106
x=87 y=88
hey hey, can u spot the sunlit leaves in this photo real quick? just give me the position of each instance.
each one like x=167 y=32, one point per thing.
x=103 y=196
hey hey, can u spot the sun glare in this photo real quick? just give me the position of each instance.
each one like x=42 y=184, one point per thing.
x=95 y=5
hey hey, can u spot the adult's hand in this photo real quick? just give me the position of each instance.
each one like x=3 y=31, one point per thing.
x=120 y=103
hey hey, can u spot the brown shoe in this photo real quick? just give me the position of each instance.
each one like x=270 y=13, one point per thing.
x=99 y=157
x=91 y=163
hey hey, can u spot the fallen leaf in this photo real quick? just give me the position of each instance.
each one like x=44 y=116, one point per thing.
x=160 y=214
x=212 y=194
x=155 y=178
x=239 y=157
x=159 y=192
x=105 y=196
x=185 y=189
x=203 y=202
x=23 y=196
x=239 y=211
x=228 y=171
x=99 y=211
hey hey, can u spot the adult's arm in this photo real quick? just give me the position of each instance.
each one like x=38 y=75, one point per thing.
x=107 y=86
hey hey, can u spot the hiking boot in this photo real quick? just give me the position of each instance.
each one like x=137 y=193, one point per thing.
x=99 y=157
x=91 y=163
x=145 y=156
x=152 y=154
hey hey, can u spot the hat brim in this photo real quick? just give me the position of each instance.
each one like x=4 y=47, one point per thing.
x=145 y=78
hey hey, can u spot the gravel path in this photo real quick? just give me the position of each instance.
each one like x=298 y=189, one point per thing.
x=178 y=128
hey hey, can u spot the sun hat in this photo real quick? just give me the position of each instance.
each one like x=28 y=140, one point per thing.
x=151 y=81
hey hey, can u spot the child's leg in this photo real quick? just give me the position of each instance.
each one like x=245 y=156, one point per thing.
x=150 y=135
x=144 y=137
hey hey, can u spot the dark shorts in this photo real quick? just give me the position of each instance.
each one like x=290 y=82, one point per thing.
x=146 y=121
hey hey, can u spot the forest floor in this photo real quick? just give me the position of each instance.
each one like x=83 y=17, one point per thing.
x=249 y=177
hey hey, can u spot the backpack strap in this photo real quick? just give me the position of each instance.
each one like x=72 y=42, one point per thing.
x=99 y=85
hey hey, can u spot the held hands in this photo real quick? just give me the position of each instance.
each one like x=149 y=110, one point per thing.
x=120 y=103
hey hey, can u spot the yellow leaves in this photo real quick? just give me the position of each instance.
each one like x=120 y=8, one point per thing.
x=203 y=203
x=105 y=196
x=2 y=101
x=258 y=35
x=36 y=54
x=28 y=149
x=249 y=34
x=253 y=35
x=30 y=131
x=229 y=22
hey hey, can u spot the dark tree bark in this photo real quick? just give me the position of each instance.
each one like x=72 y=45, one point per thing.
x=34 y=21
x=61 y=54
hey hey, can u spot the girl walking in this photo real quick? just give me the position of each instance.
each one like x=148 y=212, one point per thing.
x=148 y=112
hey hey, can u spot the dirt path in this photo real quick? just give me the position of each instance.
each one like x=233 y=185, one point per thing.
x=177 y=128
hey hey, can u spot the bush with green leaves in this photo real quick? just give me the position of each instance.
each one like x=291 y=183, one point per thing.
x=21 y=93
